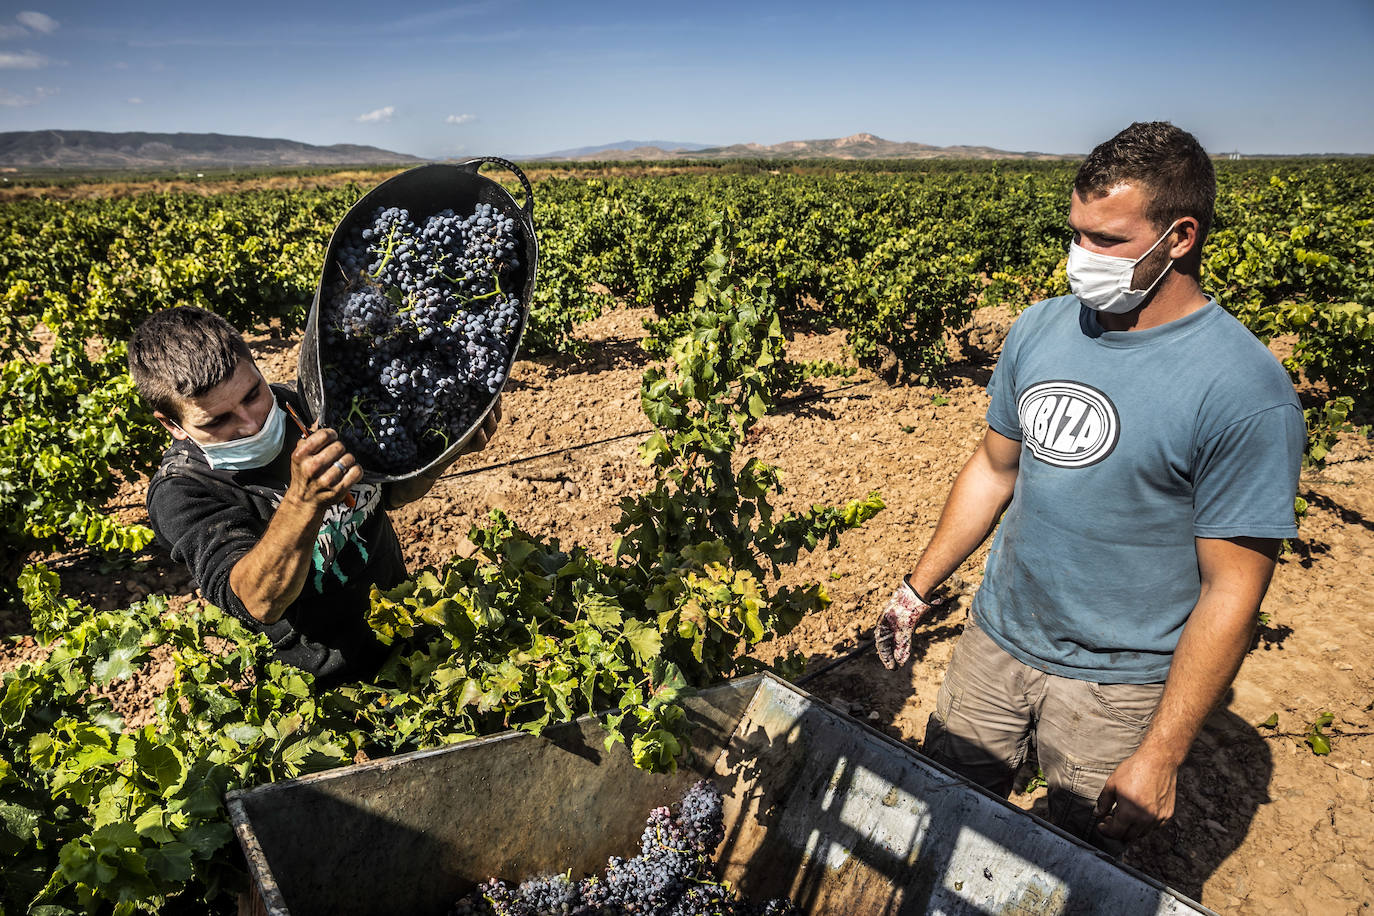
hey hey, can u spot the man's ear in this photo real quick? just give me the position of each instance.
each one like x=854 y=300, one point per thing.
x=1185 y=232
x=169 y=425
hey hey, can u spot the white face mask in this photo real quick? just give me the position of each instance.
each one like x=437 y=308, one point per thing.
x=1103 y=282
x=250 y=452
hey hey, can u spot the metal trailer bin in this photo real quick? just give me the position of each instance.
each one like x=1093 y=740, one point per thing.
x=818 y=806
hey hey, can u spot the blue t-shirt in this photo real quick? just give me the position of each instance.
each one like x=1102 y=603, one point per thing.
x=1133 y=443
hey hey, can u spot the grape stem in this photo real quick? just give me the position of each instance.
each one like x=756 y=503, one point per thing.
x=386 y=256
x=355 y=410
x=496 y=279
x=436 y=431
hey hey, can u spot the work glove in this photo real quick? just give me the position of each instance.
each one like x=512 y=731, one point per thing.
x=892 y=635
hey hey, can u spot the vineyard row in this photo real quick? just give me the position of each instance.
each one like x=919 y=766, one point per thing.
x=97 y=816
x=895 y=260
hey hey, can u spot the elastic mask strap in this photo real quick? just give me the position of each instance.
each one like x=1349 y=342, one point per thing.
x=183 y=429
x=1147 y=289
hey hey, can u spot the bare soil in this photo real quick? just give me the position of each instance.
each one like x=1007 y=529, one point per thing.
x=1262 y=826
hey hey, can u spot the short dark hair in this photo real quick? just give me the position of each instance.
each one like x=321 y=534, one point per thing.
x=181 y=353
x=1167 y=163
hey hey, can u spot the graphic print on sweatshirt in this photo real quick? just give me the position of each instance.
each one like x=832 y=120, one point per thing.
x=1068 y=424
x=340 y=528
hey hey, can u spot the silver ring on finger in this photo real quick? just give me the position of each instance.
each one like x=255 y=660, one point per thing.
x=341 y=466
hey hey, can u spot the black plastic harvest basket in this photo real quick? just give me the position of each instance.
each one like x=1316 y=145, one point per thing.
x=423 y=191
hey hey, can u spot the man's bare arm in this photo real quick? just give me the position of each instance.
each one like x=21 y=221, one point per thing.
x=1139 y=796
x=271 y=575
x=977 y=500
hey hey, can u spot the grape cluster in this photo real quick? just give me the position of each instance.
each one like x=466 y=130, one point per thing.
x=417 y=330
x=673 y=875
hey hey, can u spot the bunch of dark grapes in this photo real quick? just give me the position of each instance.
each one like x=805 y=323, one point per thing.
x=673 y=875
x=700 y=818
x=418 y=329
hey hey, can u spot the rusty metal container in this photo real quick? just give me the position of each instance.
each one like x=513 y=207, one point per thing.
x=820 y=807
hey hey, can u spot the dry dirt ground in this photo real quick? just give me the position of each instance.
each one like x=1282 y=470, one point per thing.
x=1263 y=825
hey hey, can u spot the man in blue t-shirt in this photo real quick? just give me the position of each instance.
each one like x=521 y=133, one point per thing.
x=1142 y=455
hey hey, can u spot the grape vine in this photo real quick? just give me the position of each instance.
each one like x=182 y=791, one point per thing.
x=95 y=814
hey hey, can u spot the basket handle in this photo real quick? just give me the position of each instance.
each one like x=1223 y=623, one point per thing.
x=528 y=206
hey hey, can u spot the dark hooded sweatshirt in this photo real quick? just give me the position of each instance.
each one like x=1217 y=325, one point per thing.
x=209 y=518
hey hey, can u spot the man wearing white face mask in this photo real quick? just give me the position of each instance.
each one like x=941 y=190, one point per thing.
x=1145 y=450
x=260 y=513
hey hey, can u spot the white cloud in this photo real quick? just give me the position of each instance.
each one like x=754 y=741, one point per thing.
x=39 y=22
x=14 y=100
x=13 y=31
x=381 y=114
x=460 y=119
x=430 y=22
x=135 y=101
x=120 y=65
x=22 y=60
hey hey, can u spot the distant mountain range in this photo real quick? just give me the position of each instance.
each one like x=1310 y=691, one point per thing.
x=856 y=146
x=672 y=147
x=92 y=149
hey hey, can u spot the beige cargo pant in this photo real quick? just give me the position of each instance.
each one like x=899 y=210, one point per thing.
x=990 y=706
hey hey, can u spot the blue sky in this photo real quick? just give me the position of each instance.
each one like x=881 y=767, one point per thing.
x=520 y=77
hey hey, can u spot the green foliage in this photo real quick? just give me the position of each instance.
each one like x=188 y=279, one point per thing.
x=903 y=294
x=84 y=273
x=1036 y=782
x=894 y=254
x=572 y=246
x=1292 y=256
x=70 y=427
x=1316 y=738
x=99 y=815
x=529 y=633
x=899 y=259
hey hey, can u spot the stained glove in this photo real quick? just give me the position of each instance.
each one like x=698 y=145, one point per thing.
x=892 y=635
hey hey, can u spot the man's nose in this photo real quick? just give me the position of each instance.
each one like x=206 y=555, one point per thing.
x=247 y=423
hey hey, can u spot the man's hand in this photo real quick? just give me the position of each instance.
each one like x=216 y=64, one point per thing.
x=980 y=494
x=892 y=635
x=322 y=471
x=482 y=436
x=1138 y=797
x=271 y=576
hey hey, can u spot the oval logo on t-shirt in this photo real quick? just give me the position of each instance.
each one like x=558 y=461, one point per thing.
x=1068 y=424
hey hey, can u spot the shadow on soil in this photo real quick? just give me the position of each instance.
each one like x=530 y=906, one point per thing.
x=1220 y=787
x=838 y=658
x=1270 y=636
x=811 y=399
x=105 y=582
x=264 y=346
x=600 y=356
x=1307 y=549
x=1347 y=516
x=975 y=372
